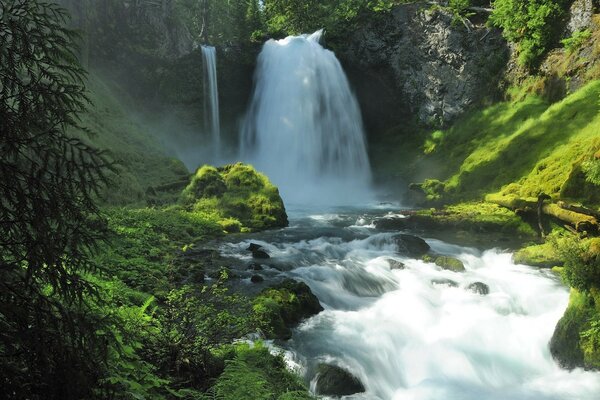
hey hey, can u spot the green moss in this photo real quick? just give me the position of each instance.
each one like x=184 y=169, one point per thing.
x=522 y=148
x=541 y=255
x=242 y=198
x=145 y=172
x=450 y=263
x=276 y=310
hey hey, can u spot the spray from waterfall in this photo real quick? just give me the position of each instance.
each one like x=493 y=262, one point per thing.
x=304 y=128
x=211 y=97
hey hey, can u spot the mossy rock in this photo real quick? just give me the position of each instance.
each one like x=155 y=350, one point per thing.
x=479 y=288
x=543 y=256
x=566 y=345
x=335 y=381
x=279 y=308
x=450 y=263
x=242 y=198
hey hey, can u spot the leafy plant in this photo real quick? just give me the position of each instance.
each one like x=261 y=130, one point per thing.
x=577 y=40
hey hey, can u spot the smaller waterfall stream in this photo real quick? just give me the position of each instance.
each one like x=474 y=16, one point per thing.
x=304 y=128
x=211 y=97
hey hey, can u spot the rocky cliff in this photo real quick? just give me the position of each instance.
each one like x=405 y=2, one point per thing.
x=421 y=61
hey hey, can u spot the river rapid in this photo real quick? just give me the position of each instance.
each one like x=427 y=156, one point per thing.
x=410 y=330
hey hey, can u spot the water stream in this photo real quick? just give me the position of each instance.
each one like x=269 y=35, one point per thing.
x=303 y=127
x=211 y=98
x=409 y=334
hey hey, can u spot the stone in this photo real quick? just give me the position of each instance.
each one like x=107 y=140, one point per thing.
x=335 y=381
x=411 y=245
x=444 y=282
x=391 y=223
x=580 y=15
x=418 y=61
x=255 y=267
x=450 y=263
x=257 y=279
x=479 y=288
x=253 y=247
x=395 y=264
x=260 y=254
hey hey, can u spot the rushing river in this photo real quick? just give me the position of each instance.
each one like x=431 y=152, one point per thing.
x=417 y=332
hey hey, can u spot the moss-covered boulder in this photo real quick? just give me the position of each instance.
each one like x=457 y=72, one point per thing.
x=575 y=342
x=279 y=308
x=243 y=199
x=542 y=255
x=450 y=263
x=335 y=381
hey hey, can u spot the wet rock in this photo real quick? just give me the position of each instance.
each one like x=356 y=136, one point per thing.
x=254 y=247
x=479 y=288
x=283 y=306
x=450 y=263
x=260 y=254
x=417 y=61
x=391 y=223
x=395 y=264
x=257 y=279
x=255 y=267
x=411 y=245
x=335 y=381
x=444 y=282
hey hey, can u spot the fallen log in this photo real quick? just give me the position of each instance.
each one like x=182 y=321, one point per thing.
x=582 y=222
x=579 y=209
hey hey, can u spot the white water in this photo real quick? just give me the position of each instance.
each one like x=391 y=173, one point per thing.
x=303 y=127
x=407 y=338
x=211 y=98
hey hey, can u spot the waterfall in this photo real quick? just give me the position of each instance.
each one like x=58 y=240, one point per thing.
x=211 y=97
x=303 y=127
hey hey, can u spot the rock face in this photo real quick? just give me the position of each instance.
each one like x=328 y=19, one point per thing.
x=417 y=61
x=411 y=245
x=580 y=15
x=335 y=381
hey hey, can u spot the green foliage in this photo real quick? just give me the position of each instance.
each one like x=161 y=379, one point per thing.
x=576 y=41
x=581 y=261
x=50 y=224
x=483 y=152
x=591 y=169
x=144 y=242
x=239 y=196
x=255 y=374
x=534 y=25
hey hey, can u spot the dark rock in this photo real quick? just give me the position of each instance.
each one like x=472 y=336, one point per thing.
x=283 y=306
x=395 y=264
x=417 y=61
x=257 y=279
x=479 y=288
x=260 y=254
x=391 y=223
x=450 y=263
x=255 y=267
x=335 y=381
x=411 y=245
x=444 y=282
x=254 y=247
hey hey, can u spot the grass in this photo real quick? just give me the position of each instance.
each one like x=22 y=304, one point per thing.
x=143 y=166
x=521 y=148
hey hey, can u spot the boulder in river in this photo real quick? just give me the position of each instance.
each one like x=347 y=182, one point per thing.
x=444 y=282
x=334 y=381
x=395 y=264
x=283 y=306
x=256 y=279
x=450 y=263
x=254 y=247
x=391 y=223
x=260 y=254
x=479 y=288
x=411 y=245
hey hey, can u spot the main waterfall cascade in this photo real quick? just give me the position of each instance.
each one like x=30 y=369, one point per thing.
x=303 y=127
x=410 y=330
x=211 y=98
